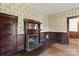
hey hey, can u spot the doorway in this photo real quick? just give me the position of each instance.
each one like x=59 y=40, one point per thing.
x=73 y=30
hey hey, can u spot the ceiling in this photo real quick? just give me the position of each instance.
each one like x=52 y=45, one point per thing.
x=51 y=8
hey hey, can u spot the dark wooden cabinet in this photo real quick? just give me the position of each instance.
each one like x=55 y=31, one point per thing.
x=8 y=33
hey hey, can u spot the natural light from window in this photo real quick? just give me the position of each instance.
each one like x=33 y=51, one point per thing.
x=73 y=24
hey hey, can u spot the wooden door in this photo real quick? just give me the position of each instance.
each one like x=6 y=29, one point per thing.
x=8 y=33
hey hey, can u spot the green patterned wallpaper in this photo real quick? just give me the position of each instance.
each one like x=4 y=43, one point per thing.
x=25 y=11
x=58 y=21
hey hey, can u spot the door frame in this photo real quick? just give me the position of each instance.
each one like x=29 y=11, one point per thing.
x=68 y=24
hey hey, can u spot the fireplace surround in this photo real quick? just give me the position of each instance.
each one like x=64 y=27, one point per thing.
x=32 y=34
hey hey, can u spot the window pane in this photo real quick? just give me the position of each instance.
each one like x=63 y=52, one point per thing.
x=73 y=24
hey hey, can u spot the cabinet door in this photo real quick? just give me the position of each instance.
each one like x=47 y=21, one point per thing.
x=7 y=34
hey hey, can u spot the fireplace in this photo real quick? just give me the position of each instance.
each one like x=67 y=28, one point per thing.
x=32 y=34
x=32 y=42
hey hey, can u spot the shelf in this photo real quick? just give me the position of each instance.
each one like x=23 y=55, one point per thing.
x=32 y=29
x=32 y=21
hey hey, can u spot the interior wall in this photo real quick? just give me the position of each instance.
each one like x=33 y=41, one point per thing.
x=58 y=21
x=52 y=23
x=25 y=11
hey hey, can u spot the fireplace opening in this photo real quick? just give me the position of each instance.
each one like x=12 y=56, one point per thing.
x=32 y=42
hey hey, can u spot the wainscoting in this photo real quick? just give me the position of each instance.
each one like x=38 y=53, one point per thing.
x=56 y=37
x=53 y=37
x=74 y=34
x=20 y=42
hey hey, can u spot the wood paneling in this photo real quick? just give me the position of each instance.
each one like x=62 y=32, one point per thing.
x=74 y=34
x=8 y=33
x=56 y=37
x=20 y=42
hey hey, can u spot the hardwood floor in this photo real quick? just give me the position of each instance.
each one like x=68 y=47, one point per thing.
x=63 y=50
x=55 y=49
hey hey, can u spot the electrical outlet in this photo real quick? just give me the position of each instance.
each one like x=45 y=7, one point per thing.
x=47 y=36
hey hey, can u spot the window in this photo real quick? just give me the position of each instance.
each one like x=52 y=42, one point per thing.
x=73 y=24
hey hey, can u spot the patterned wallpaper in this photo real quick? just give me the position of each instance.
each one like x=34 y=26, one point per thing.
x=25 y=11
x=54 y=23
x=58 y=21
